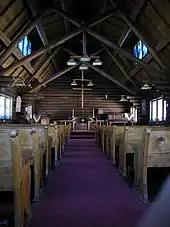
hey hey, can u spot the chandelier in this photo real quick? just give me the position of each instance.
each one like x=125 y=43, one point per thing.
x=85 y=58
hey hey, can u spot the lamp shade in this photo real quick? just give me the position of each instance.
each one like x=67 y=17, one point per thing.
x=90 y=84
x=123 y=99
x=83 y=67
x=74 y=83
x=146 y=87
x=71 y=62
x=97 y=62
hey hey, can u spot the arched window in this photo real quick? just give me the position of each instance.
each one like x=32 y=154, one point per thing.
x=25 y=46
x=18 y=104
x=140 y=50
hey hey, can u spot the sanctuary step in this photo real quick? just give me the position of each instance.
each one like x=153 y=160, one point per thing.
x=82 y=135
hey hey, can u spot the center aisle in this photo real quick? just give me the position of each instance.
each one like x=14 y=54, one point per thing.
x=86 y=191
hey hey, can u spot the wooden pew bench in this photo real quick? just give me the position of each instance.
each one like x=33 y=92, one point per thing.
x=119 y=138
x=35 y=139
x=53 y=132
x=128 y=161
x=14 y=179
x=155 y=154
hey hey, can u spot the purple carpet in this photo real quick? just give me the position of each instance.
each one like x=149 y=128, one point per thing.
x=86 y=191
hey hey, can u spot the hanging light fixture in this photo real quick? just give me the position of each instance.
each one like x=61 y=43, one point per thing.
x=83 y=67
x=146 y=87
x=85 y=58
x=97 y=62
x=123 y=99
x=71 y=62
x=74 y=83
x=90 y=84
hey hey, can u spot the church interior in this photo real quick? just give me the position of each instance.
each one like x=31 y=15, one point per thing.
x=84 y=111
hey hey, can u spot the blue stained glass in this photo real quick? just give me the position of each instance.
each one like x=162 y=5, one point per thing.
x=20 y=45
x=145 y=50
x=140 y=50
x=25 y=46
x=29 y=48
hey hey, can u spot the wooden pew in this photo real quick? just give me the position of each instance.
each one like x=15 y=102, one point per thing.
x=155 y=153
x=53 y=131
x=119 y=138
x=15 y=174
x=132 y=142
x=37 y=144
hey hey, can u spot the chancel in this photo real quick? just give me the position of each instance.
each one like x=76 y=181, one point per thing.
x=84 y=111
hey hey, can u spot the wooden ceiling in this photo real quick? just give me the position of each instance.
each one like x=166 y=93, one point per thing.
x=55 y=28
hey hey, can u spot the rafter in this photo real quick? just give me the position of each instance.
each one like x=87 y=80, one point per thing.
x=149 y=57
x=16 y=52
x=40 y=29
x=25 y=31
x=43 y=66
x=37 y=53
x=139 y=34
x=134 y=15
x=65 y=21
x=121 y=68
x=53 y=77
x=122 y=51
x=100 y=71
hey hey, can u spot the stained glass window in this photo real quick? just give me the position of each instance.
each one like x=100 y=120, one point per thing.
x=5 y=107
x=18 y=104
x=140 y=50
x=25 y=46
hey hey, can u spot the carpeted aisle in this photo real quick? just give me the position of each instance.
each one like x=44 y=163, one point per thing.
x=86 y=191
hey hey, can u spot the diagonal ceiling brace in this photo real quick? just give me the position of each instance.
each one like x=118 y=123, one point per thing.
x=121 y=67
x=122 y=51
x=139 y=34
x=20 y=36
x=53 y=77
x=39 y=27
x=37 y=53
x=100 y=71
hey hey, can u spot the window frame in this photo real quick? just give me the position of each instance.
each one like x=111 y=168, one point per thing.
x=5 y=109
x=137 y=52
x=27 y=48
x=164 y=113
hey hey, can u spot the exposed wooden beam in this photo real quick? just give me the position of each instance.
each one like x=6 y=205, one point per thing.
x=140 y=35
x=42 y=67
x=103 y=9
x=106 y=17
x=20 y=36
x=122 y=51
x=37 y=53
x=65 y=21
x=149 y=57
x=66 y=17
x=40 y=29
x=53 y=77
x=134 y=15
x=149 y=2
x=121 y=68
x=100 y=71
x=16 y=52
x=7 y=7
